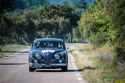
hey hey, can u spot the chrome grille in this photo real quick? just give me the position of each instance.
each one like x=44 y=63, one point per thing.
x=48 y=58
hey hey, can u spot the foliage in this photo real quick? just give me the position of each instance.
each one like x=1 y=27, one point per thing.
x=115 y=10
x=11 y=29
x=96 y=25
x=103 y=24
x=21 y=26
x=5 y=5
x=21 y=4
x=61 y=19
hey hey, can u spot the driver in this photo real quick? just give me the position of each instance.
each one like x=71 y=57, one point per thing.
x=55 y=45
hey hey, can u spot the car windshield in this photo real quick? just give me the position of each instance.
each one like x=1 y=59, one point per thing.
x=49 y=44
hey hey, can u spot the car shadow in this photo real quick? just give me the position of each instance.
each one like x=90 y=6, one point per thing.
x=48 y=70
x=55 y=70
x=88 y=68
x=69 y=70
x=23 y=52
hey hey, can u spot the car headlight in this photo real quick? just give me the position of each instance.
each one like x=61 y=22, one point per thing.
x=38 y=56
x=57 y=56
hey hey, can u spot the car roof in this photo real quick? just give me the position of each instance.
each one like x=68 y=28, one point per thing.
x=48 y=39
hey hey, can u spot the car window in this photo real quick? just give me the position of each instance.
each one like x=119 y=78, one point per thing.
x=49 y=44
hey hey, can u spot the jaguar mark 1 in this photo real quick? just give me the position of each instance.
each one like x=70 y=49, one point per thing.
x=48 y=53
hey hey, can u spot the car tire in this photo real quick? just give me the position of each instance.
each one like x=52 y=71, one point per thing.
x=64 y=68
x=31 y=69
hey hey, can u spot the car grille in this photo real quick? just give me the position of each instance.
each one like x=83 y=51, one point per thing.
x=48 y=58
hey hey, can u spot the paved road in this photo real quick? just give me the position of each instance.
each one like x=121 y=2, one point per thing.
x=14 y=69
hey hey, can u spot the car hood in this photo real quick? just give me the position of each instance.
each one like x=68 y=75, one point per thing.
x=42 y=51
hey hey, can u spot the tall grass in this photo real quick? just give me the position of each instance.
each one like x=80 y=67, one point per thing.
x=11 y=48
x=97 y=63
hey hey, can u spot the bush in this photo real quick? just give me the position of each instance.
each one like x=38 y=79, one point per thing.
x=119 y=53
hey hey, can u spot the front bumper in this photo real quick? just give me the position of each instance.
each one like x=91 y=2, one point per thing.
x=52 y=65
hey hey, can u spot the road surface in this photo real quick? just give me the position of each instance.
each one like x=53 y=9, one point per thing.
x=14 y=69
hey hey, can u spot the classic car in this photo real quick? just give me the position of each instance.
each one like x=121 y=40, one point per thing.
x=48 y=53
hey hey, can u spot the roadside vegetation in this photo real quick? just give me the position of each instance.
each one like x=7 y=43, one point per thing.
x=24 y=20
x=96 y=64
x=102 y=24
x=11 y=48
x=103 y=27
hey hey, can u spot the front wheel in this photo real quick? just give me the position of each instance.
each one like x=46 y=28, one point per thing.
x=64 y=68
x=31 y=69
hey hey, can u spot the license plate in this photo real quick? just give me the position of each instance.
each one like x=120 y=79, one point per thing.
x=47 y=65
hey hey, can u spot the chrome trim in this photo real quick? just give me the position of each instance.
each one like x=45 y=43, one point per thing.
x=37 y=65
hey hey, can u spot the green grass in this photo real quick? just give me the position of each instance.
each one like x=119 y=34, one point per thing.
x=96 y=64
x=10 y=49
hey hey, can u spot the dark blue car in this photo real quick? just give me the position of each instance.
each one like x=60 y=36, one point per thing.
x=48 y=53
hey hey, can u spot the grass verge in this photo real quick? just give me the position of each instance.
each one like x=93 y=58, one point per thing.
x=10 y=49
x=96 y=65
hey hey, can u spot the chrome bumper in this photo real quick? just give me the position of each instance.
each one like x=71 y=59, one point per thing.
x=38 y=65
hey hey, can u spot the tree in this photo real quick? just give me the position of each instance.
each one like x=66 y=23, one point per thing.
x=115 y=11
x=24 y=25
x=5 y=5
x=58 y=14
x=96 y=25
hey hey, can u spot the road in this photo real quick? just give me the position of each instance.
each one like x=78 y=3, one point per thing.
x=14 y=69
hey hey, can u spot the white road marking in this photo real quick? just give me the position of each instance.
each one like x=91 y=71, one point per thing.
x=75 y=67
x=77 y=74
x=80 y=79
